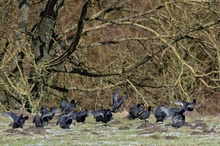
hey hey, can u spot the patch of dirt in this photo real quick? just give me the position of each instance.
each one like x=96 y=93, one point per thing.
x=124 y=128
x=16 y=131
x=150 y=128
x=35 y=130
x=154 y=136
x=170 y=137
x=115 y=122
x=146 y=125
x=187 y=124
x=12 y=131
x=207 y=131
x=94 y=133
x=200 y=126
x=196 y=133
x=198 y=121
x=168 y=124
x=86 y=130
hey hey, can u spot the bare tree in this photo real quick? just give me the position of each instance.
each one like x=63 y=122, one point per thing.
x=152 y=50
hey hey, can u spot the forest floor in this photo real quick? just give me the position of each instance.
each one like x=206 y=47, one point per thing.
x=198 y=130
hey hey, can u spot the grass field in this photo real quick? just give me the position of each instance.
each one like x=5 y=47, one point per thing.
x=198 y=130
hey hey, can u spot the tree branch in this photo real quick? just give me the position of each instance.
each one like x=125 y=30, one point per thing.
x=75 y=42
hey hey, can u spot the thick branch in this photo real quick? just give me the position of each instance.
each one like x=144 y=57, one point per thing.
x=44 y=30
x=75 y=42
x=82 y=71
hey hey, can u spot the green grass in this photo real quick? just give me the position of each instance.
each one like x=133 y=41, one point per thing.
x=120 y=131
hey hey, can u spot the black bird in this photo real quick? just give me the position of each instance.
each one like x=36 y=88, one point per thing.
x=65 y=121
x=145 y=114
x=134 y=112
x=117 y=101
x=81 y=116
x=170 y=112
x=98 y=115
x=46 y=115
x=73 y=114
x=43 y=110
x=40 y=121
x=174 y=114
x=107 y=116
x=189 y=106
x=66 y=106
x=159 y=114
x=103 y=116
x=18 y=120
x=178 y=119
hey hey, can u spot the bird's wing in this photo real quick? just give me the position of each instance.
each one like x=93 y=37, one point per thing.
x=108 y=114
x=144 y=114
x=55 y=109
x=180 y=102
x=18 y=118
x=63 y=104
x=165 y=110
x=158 y=110
x=60 y=119
x=115 y=96
x=10 y=115
x=48 y=114
x=96 y=114
x=181 y=111
x=120 y=100
x=36 y=118
x=82 y=113
x=73 y=113
x=70 y=106
x=69 y=118
x=118 y=103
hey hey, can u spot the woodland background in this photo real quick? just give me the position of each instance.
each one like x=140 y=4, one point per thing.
x=155 y=51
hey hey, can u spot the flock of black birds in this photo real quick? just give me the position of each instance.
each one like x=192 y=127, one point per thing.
x=68 y=114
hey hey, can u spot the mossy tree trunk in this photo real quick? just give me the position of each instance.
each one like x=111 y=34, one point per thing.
x=34 y=57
